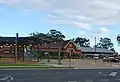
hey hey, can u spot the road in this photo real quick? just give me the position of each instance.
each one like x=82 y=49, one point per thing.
x=71 y=75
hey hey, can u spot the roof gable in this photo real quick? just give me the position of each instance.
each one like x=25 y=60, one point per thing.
x=70 y=44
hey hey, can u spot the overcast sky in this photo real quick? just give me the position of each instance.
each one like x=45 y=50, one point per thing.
x=83 y=18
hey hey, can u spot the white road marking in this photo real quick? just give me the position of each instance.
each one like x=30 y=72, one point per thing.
x=6 y=78
x=113 y=74
x=101 y=73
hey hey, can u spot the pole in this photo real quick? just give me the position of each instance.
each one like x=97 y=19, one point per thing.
x=70 y=58
x=59 y=57
x=16 y=50
x=59 y=54
x=48 y=52
x=95 y=48
x=95 y=44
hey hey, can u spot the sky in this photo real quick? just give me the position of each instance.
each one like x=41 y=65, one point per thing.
x=74 y=18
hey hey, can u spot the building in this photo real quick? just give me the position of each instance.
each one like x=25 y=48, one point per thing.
x=64 y=48
x=89 y=51
x=47 y=45
x=8 y=46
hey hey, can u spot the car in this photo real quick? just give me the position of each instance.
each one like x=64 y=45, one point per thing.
x=115 y=60
x=111 y=60
x=111 y=57
x=96 y=58
x=106 y=59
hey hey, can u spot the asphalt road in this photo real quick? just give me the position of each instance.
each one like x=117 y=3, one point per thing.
x=51 y=75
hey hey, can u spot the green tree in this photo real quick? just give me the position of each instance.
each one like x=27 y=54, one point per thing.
x=105 y=43
x=118 y=39
x=83 y=42
x=56 y=33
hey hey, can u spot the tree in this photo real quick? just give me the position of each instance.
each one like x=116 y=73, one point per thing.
x=118 y=39
x=56 y=33
x=112 y=49
x=105 y=43
x=73 y=39
x=83 y=42
x=37 y=34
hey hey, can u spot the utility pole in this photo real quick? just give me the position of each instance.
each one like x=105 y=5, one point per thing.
x=95 y=49
x=70 y=58
x=59 y=57
x=59 y=54
x=95 y=44
x=16 y=47
x=48 y=51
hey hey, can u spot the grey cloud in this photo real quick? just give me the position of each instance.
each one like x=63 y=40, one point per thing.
x=101 y=12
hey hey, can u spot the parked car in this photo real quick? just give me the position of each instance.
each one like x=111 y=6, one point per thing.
x=96 y=57
x=111 y=60
x=111 y=57
x=115 y=60
x=118 y=58
x=106 y=59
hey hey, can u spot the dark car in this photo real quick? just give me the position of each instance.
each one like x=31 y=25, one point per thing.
x=111 y=60
x=115 y=60
x=118 y=58
x=106 y=60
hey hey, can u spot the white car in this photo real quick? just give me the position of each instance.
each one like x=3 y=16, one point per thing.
x=96 y=57
x=111 y=57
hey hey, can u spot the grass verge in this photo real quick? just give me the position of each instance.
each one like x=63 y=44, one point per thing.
x=40 y=67
x=30 y=66
x=22 y=65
